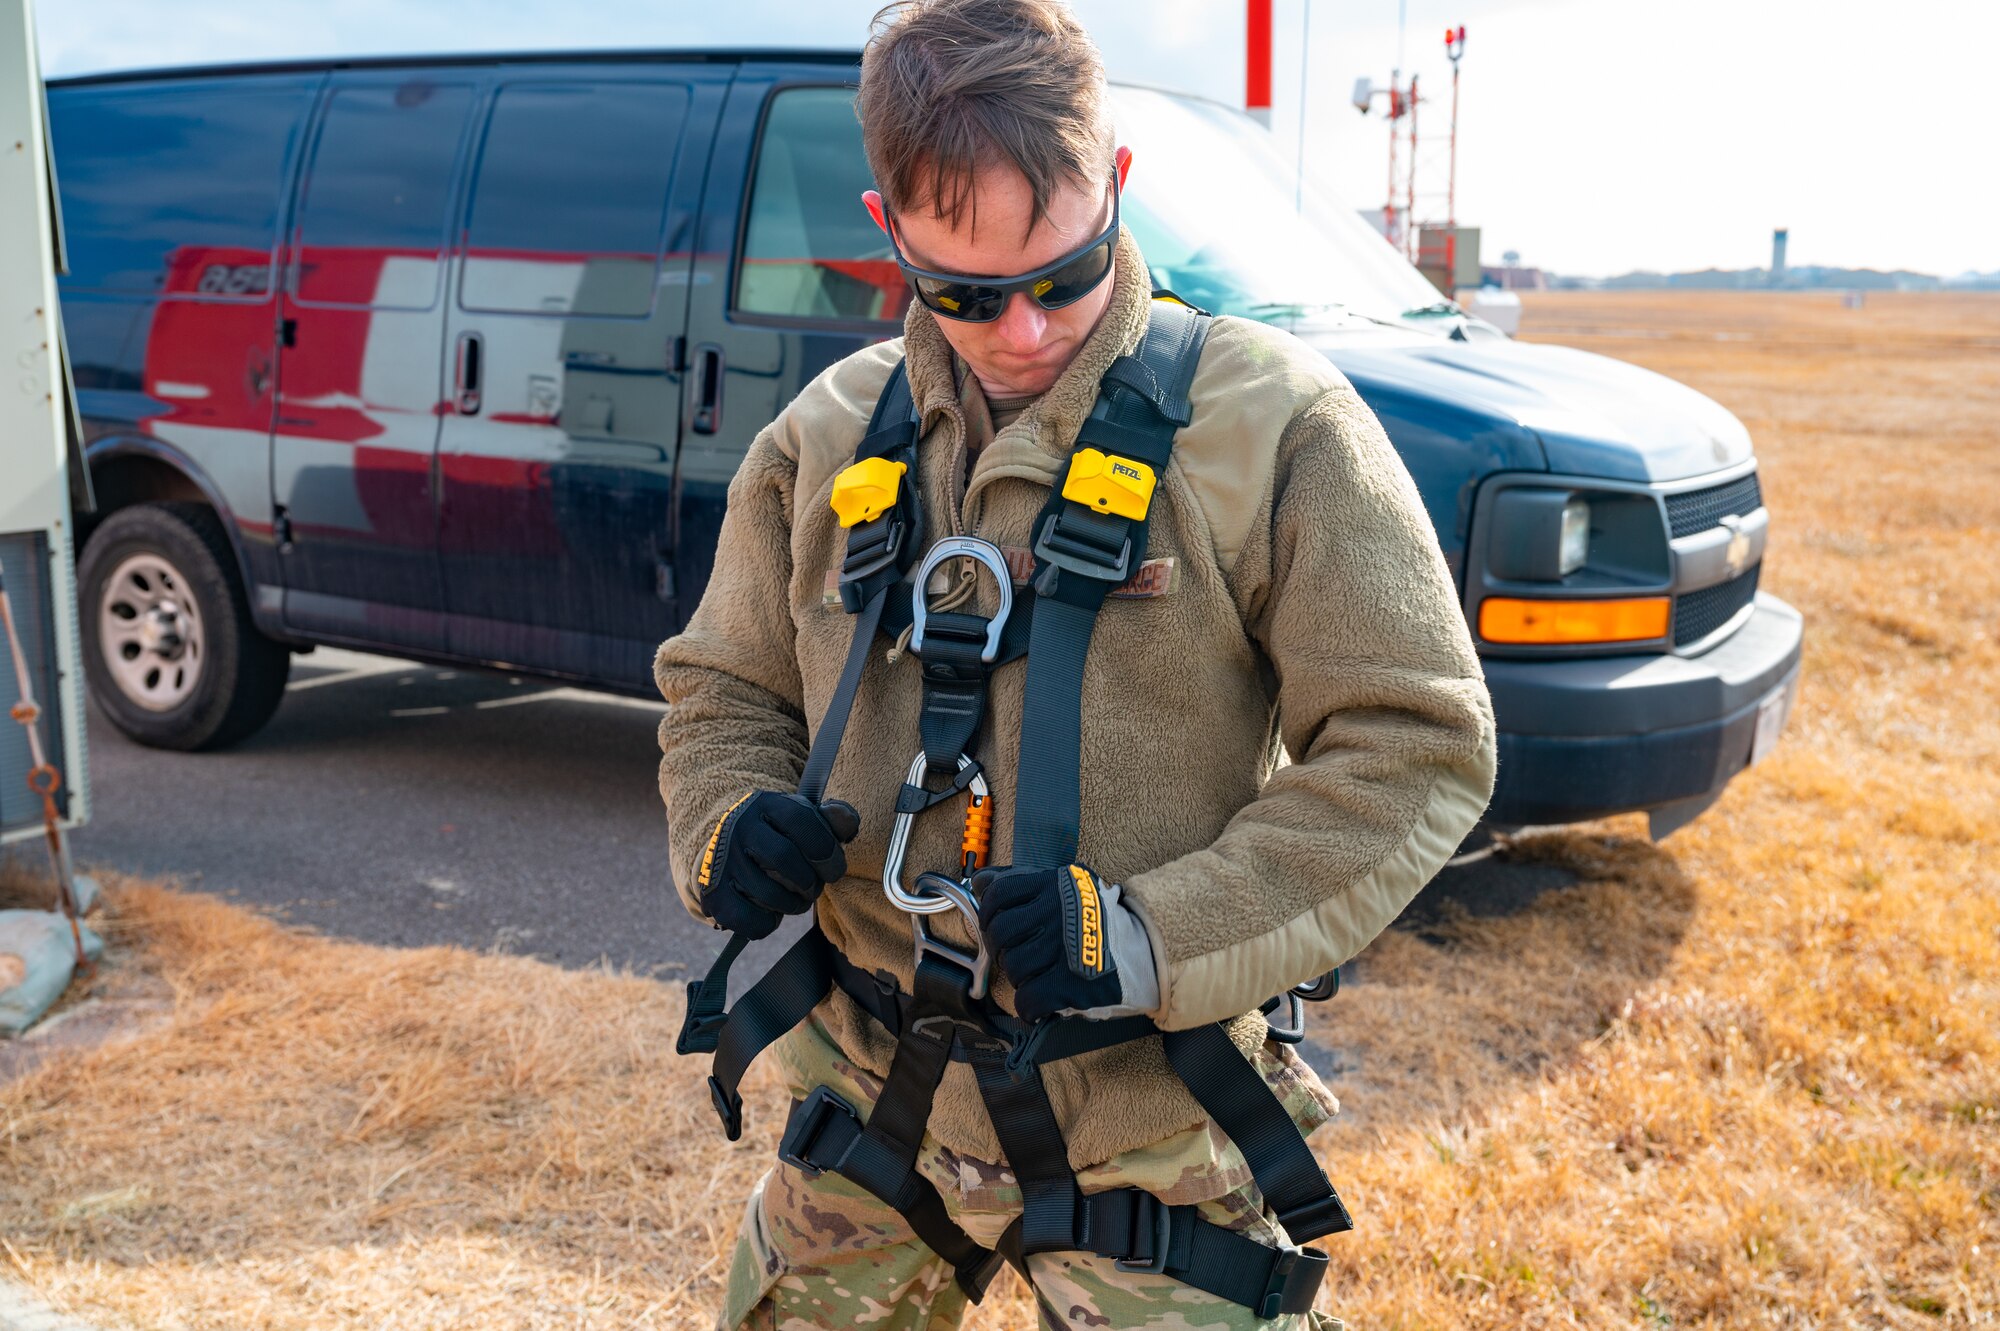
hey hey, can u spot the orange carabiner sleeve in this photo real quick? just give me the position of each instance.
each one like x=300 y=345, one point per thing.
x=978 y=832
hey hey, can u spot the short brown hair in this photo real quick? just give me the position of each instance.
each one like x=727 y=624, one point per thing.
x=951 y=86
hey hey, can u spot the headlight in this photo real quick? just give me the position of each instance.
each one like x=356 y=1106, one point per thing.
x=1561 y=563
x=1537 y=535
x=1574 y=543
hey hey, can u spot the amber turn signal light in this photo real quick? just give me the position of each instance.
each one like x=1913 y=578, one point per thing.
x=1510 y=619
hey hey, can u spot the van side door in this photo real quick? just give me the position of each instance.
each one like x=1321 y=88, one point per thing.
x=563 y=413
x=360 y=366
x=790 y=276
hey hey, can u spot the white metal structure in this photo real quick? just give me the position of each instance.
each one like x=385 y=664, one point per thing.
x=37 y=420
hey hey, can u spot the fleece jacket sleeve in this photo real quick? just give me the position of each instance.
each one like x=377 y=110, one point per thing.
x=1381 y=706
x=735 y=721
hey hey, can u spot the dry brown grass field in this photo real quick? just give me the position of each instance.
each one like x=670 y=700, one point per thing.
x=1749 y=1077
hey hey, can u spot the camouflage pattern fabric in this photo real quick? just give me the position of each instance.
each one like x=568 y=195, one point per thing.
x=822 y=1252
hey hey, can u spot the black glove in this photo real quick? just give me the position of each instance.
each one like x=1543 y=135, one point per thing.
x=769 y=856
x=1066 y=941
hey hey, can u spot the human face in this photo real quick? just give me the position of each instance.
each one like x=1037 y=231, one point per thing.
x=1024 y=351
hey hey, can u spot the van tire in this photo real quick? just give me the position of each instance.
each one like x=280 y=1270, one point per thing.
x=178 y=584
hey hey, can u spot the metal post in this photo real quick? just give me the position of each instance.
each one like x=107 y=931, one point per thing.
x=1410 y=179
x=1454 y=47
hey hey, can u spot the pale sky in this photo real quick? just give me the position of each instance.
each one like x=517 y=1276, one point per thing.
x=1596 y=136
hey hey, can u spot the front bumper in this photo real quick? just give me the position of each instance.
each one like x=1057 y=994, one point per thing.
x=1583 y=738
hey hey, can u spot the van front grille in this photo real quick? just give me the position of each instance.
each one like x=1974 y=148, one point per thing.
x=1698 y=614
x=1698 y=510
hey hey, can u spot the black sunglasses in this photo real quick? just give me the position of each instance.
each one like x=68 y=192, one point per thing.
x=980 y=300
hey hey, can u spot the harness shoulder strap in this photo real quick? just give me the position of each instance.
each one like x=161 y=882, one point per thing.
x=1089 y=538
x=881 y=547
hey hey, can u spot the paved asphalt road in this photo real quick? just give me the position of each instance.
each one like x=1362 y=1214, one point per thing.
x=402 y=804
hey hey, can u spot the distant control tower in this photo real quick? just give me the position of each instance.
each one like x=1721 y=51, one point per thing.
x=1778 y=238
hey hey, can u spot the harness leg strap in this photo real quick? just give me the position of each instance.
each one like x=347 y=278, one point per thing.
x=1232 y=1093
x=1025 y=1123
x=825 y=1133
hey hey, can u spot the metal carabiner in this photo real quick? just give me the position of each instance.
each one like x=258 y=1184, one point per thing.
x=978 y=819
x=969 y=547
x=937 y=893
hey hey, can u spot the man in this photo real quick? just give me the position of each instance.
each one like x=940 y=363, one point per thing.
x=1292 y=593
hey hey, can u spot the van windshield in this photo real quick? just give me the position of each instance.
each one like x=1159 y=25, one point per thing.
x=1213 y=206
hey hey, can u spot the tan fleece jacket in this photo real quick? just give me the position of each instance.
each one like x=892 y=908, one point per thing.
x=1308 y=605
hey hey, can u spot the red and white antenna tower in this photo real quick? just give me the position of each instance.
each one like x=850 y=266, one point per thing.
x=1400 y=103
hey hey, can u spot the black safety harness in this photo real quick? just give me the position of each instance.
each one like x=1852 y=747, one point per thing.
x=1088 y=539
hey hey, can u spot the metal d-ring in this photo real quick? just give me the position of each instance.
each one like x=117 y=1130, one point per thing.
x=953 y=547
x=978 y=965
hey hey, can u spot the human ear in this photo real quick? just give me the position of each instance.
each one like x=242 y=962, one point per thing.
x=873 y=203
x=1123 y=157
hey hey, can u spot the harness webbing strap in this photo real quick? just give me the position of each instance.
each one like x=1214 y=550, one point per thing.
x=1232 y=1094
x=826 y=743
x=1080 y=555
x=1142 y=1233
x=877 y=558
x=954 y=684
x=1025 y=1123
x=878 y=553
x=824 y=1134
x=779 y=1000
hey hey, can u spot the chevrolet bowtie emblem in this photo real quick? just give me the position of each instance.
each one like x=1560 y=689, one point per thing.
x=1737 y=556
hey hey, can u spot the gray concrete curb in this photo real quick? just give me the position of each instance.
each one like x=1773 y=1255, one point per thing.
x=20 y=1310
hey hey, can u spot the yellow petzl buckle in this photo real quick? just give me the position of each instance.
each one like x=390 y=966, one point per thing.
x=866 y=490
x=1109 y=483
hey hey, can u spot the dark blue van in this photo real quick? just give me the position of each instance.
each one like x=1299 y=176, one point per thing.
x=454 y=358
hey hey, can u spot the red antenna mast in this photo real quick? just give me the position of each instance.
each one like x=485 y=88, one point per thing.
x=1257 y=66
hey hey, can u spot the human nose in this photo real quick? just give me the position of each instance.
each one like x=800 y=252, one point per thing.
x=1021 y=324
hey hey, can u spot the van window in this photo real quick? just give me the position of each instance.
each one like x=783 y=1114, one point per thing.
x=809 y=250
x=372 y=224
x=171 y=187
x=570 y=200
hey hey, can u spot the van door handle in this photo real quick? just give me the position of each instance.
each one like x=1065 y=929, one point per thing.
x=465 y=373
x=707 y=416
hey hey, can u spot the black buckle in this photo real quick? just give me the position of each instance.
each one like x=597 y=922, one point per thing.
x=1317 y=1218
x=700 y=1031
x=872 y=547
x=807 y=1122
x=1149 y=1212
x=1294 y=1029
x=943 y=1026
x=1285 y=1261
x=728 y=1108
x=1071 y=549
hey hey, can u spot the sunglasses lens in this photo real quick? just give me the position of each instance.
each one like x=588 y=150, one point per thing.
x=1075 y=279
x=960 y=300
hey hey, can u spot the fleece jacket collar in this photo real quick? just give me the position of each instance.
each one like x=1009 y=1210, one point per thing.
x=1036 y=446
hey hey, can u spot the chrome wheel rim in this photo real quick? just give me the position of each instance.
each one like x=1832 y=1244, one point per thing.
x=149 y=633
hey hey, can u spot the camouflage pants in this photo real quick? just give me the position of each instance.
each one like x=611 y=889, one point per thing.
x=821 y=1252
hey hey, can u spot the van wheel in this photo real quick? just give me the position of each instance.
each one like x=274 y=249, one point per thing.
x=168 y=644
